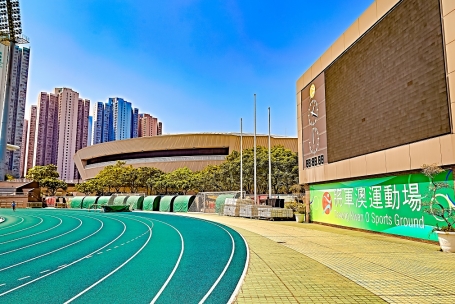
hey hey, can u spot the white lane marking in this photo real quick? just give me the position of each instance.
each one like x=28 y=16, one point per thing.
x=37 y=257
x=24 y=228
x=60 y=235
x=116 y=269
x=116 y=247
x=225 y=267
x=108 y=249
x=122 y=244
x=99 y=252
x=2 y=285
x=175 y=267
x=23 y=278
x=14 y=224
x=24 y=237
x=77 y=261
x=45 y=271
x=242 y=277
x=61 y=265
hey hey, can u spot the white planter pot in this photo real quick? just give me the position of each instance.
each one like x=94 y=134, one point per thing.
x=299 y=218
x=446 y=241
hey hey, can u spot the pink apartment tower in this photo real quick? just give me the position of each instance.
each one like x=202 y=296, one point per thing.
x=62 y=130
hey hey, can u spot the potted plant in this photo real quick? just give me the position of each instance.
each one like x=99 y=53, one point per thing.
x=443 y=213
x=298 y=209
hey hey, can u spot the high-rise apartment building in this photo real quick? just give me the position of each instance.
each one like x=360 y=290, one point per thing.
x=23 y=148
x=47 y=130
x=135 y=123
x=98 y=123
x=160 y=128
x=68 y=106
x=90 y=130
x=122 y=118
x=83 y=113
x=148 y=125
x=116 y=120
x=17 y=97
x=32 y=137
x=62 y=130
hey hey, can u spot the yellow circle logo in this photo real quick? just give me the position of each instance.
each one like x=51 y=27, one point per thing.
x=312 y=90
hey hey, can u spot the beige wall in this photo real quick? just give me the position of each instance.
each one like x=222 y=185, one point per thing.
x=173 y=142
x=439 y=150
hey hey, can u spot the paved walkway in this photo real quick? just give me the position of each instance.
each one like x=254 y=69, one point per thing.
x=310 y=263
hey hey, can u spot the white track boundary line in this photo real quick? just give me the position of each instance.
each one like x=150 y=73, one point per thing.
x=247 y=262
x=24 y=237
x=175 y=267
x=245 y=269
x=37 y=257
x=116 y=269
x=25 y=228
x=68 y=265
x=14 y=224
x=60 y=235
x=225 y=267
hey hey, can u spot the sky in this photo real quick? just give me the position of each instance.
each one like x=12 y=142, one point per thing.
x=195 y=65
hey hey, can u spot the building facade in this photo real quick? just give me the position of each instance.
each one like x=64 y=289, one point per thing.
x=372 y=110
x=23 y=149
x=62 y=129
x=122 y=118
x=16 y=111
x=46 y=131
x=170 y=152
x=90 y=130
x=148 y=125
x=135 y=123
x=31 y=138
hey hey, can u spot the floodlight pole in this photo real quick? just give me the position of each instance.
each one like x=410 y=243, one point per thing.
x=270 y=163
x=241 y=159
x=255 y=149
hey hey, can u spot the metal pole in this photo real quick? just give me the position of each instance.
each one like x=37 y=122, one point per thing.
x=255 y=149
x=241 y=159
x=270 y=163
x=4 y=113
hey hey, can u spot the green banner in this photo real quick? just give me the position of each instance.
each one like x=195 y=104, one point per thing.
x=390 y=204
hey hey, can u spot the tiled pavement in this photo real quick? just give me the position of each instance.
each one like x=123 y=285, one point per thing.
x=311 y=263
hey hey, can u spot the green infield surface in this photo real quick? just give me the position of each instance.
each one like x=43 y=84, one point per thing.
x=63 y=256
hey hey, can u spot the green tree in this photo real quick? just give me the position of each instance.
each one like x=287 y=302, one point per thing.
x=39 y=173
x=53 y=184
x=112 y=176
x=148 y=177
x=181 y=180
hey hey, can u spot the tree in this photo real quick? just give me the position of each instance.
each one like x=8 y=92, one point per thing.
x=39 y=173
x=111 y=176
x=53 y=184
x=181 y=179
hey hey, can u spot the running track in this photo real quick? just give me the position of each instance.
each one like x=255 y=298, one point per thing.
x=59 y=256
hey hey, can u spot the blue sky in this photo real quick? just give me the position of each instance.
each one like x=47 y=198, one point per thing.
x=193 y=64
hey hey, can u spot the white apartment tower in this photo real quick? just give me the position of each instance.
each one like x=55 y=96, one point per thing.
x=68 y=101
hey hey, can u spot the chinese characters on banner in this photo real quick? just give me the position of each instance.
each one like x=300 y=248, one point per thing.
x=390 y=196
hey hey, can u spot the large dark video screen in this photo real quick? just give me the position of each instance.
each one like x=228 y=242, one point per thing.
x=389 y=88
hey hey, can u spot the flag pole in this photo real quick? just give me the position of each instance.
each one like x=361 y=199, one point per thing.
x=241 y=159
x=255 y=149
x=270 y=163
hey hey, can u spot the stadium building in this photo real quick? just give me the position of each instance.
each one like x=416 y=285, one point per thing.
x=170 y=152
x=375 y=107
